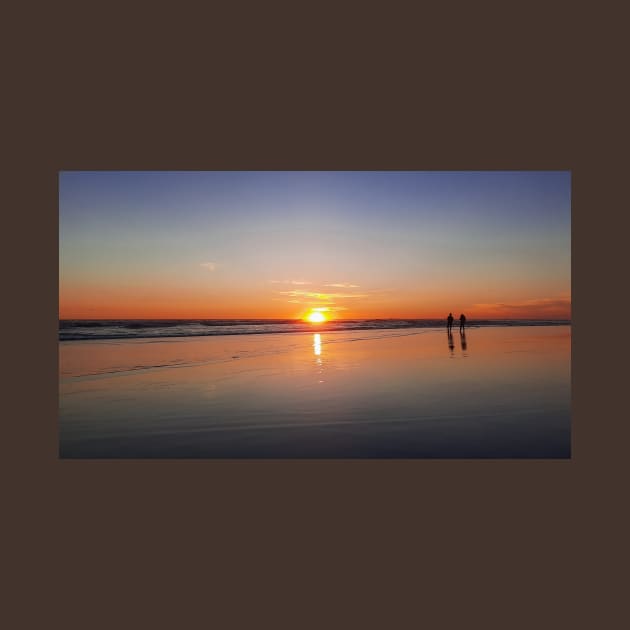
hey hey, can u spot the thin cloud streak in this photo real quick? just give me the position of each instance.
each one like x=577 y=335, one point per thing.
x=541 y=306
x=323 y=296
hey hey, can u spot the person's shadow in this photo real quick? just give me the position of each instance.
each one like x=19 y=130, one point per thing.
x=451 y=344
x=462 y=339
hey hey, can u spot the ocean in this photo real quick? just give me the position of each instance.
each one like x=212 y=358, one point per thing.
x=77 y=330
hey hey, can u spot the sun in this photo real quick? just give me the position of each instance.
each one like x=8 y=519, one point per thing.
x=315 y=317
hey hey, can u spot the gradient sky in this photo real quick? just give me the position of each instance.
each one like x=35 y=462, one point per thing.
x=276 y=244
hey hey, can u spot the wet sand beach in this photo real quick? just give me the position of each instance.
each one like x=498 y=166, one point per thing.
x=497 y=392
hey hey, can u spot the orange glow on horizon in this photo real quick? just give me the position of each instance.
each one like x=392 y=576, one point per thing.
x=181 y=302
x=127 y=312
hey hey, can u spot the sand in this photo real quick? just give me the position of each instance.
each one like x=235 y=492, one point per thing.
x=498 y=393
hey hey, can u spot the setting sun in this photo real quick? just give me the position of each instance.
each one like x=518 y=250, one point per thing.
x=316 y=317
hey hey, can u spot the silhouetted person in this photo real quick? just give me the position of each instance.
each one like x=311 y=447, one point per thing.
x=451 y=344
x=462 y=322
x=449 y=322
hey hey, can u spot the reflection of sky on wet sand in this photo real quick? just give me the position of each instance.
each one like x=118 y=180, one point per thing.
x=361 y=394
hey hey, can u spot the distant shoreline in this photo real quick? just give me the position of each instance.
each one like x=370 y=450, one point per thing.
x=86 y=330
x=279 y=320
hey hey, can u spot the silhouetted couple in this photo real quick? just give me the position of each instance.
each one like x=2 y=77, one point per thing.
x=462 y=322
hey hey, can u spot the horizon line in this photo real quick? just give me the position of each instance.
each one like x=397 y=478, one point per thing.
x=298 y=319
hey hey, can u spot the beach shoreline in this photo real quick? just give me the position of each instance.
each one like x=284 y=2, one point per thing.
x=383 y=393
x=84 y=330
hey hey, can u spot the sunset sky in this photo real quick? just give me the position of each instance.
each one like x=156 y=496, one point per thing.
x=277 y=244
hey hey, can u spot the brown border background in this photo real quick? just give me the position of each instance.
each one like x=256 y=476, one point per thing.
x=447 y=544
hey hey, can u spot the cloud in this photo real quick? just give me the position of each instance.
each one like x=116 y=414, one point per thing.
x=325 y=309
x=336 y=285
x=290 y=282
x=318 y=300
x=382 y=291
x=210 y=266
x=551 y=307
x=322 y=296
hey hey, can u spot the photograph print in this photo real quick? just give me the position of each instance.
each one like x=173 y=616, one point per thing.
x=315 y=314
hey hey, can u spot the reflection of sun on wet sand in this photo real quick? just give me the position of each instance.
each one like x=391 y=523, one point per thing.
x=317 y=351
x=396 y=393
x=317 y=344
